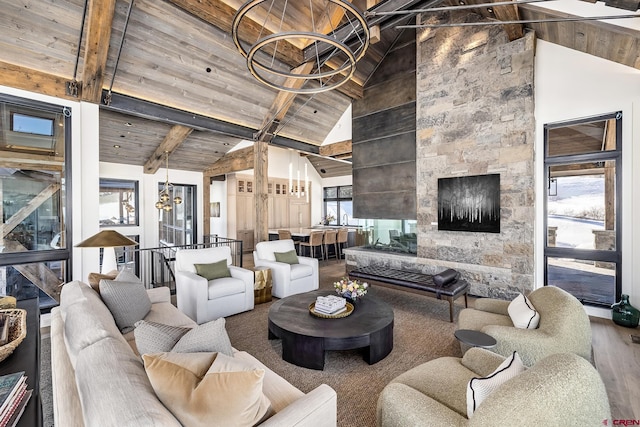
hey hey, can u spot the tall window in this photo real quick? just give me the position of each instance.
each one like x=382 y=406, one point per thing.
x=338 y=203
x=582 y=169
x=35 y=179
x=178 y=225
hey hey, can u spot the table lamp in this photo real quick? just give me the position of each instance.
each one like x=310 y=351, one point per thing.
x=107 y=239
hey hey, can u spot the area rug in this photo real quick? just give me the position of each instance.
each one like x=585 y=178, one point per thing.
x=422 y=332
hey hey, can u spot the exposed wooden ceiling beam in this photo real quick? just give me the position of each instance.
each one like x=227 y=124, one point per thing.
x=234 y=161
x=282 y=103
x=33 y=81
x=509 y=13
x=176 y=136
x=336 y=149
x=99 y=25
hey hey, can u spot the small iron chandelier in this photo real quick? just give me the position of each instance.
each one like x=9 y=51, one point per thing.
x=334 y=39
x=164 y=196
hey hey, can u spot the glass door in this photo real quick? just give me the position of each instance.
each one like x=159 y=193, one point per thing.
x=582 y=206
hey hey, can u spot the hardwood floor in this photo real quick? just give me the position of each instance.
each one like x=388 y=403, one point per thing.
x=617 y=359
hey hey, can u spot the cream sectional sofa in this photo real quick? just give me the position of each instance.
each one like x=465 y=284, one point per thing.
x=99 y=379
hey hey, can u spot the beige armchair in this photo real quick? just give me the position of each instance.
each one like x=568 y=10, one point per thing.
x=288 y=279
x=560 y=390
x=564 y=326
x=204 y=300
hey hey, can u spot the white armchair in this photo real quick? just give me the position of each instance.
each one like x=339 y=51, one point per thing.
x=204 y=300
x=288 y=279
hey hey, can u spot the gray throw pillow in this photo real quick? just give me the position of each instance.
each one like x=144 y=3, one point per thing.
x=127 y=276
x=128 y=302
x=289 y=257
x=208 y=337
x=215 y=270
x=152 y=337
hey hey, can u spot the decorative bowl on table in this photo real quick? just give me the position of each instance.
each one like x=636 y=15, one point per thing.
x=351 y=289
x=17 y=319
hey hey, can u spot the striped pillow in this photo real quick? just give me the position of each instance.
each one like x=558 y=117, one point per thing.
x=479 y=389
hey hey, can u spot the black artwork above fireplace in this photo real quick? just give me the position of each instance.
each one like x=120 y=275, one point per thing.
x=469 y=203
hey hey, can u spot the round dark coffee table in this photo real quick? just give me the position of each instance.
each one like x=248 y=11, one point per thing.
x=475 y=338
x=305 y=337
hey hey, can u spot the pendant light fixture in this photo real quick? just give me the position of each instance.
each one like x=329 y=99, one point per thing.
x=164 y=197
x=332 y=35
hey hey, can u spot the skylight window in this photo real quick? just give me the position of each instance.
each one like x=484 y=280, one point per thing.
x=32 y=125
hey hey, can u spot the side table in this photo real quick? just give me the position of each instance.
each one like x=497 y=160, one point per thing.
x=475 y=338
x=262 y=285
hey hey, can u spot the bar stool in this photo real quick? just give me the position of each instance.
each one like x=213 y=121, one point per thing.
x=286 y=234
x=315 y=240
x=330 y=238
x=343 y=234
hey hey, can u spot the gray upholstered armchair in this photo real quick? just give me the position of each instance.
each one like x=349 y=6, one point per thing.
x=564 y=326
x=560 y=390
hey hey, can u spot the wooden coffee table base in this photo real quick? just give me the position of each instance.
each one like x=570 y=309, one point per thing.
x=306 y=338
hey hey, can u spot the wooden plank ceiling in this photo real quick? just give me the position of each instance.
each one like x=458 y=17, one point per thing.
x=179 y=54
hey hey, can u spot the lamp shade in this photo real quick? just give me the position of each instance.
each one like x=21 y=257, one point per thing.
x=106 y=239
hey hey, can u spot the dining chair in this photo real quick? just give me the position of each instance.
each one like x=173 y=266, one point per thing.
x=315 y=240
x=330 y=238
x=286 y=235
x=342 y=240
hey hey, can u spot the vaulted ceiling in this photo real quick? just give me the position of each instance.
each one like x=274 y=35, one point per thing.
x=168 y=76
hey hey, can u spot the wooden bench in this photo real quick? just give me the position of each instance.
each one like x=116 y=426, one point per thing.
x=413 y=282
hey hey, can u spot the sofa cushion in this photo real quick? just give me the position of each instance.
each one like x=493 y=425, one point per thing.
x=214 y=270
x=86 y=319
x=185 y=383
x=152 y=337
x=208 y=337
x=127 y=301
x=522 y=313
x=300 y=270
x=289 y=257
x=225 y=286
x=114 y=388
x=480 y=388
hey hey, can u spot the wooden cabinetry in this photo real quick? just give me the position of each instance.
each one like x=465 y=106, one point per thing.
x=285 y=209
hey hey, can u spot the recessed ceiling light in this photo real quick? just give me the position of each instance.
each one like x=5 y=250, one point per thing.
x=490 y=9
x=129 y=124
x=116 y=146
x=226 y=144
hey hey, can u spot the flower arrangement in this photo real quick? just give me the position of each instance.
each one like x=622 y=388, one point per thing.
x=328 y=218
x=351 y=289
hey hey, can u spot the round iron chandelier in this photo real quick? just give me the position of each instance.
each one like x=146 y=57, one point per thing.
x=334 y=38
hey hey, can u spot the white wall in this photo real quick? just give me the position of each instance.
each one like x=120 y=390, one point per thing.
x=571 y=85
x=218 y=193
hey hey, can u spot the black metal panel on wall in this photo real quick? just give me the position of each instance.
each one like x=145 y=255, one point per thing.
x=384 y=138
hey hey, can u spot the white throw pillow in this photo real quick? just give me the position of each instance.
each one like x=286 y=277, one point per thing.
x=479 y=389
x=523 y=314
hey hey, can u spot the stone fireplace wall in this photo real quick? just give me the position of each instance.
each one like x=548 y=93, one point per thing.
x=475 y=115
